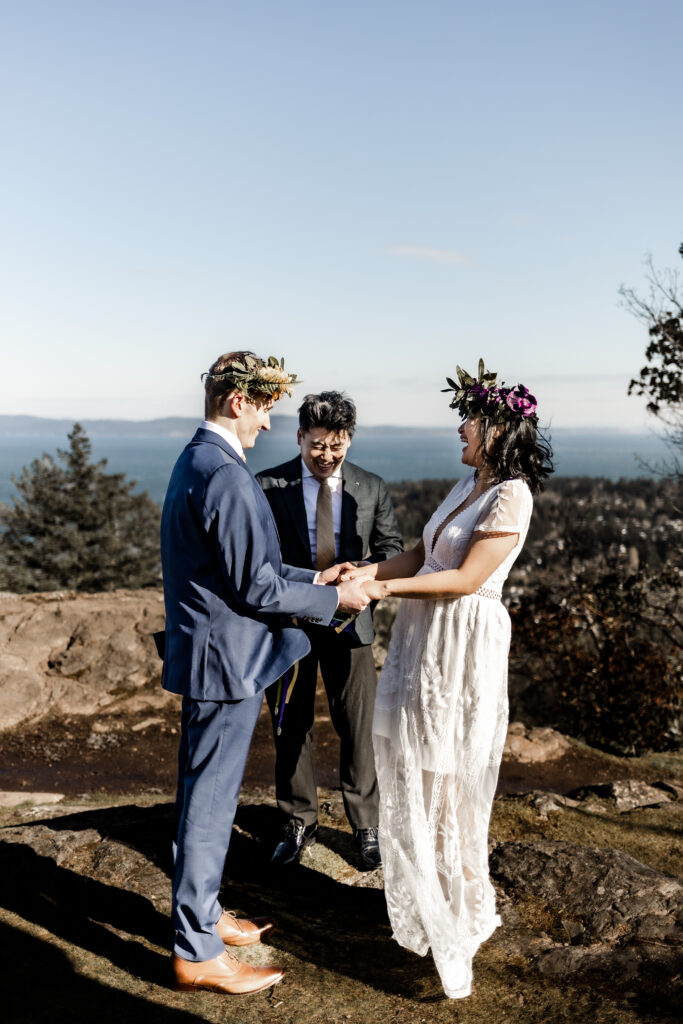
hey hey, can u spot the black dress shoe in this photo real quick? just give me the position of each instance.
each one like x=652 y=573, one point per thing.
x=368 y=846
x=295 y=839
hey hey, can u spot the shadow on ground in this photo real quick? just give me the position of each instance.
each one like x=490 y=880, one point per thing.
x=335 y=926
x=39 y=982
x=85 y=933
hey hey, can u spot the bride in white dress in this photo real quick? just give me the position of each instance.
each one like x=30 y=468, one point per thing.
x=441 y=709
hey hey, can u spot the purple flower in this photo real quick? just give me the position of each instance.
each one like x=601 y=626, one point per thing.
x=486 y=398
x=493 y=401
x=520 y=400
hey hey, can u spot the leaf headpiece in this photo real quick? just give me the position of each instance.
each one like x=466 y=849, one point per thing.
x=483 y=396
x=253 y=376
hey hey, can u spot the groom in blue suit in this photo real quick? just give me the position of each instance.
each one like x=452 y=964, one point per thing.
x=230 y=605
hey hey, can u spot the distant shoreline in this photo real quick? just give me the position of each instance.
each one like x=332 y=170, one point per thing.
x=396 y=454
x=184 y=426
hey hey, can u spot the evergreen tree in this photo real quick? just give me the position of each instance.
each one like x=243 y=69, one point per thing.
x=75 y=527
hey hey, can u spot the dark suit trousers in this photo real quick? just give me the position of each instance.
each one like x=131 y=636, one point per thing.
x=213 y=751
x=350 y=681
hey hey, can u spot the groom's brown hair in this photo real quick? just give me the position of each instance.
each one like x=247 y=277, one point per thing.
x=216 y=391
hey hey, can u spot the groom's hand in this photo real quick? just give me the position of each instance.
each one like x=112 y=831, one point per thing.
x=331 y=575
x=354 y=571
x=352 y=597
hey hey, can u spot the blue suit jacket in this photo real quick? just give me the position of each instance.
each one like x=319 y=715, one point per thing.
x=229 y=599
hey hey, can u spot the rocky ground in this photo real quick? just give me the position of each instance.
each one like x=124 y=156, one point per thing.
x=585 y=855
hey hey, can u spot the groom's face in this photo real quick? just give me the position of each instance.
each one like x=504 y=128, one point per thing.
x=254 y=418
x=323 y=451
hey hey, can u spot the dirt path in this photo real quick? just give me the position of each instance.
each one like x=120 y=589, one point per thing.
x=133 y=754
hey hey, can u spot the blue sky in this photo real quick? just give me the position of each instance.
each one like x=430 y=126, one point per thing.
x=375 y=190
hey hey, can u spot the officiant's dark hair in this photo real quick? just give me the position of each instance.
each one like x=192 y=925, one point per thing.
x=331 y=410
x=519 y=453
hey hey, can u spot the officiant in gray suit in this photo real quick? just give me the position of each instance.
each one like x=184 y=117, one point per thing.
x=328 y=510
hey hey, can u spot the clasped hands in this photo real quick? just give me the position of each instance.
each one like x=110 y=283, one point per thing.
x=355 y=583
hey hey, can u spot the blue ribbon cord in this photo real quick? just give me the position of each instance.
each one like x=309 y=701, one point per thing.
x=285 y=686
x=285 y=683
x=342 y=625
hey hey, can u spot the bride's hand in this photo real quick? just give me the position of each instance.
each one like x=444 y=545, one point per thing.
x=361 y=570
x=374 y=589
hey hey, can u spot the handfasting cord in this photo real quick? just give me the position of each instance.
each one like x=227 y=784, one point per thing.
x=342 y=625
x=285 y=684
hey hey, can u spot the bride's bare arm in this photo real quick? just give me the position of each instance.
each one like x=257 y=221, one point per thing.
x=483 y=557
x=407 y=563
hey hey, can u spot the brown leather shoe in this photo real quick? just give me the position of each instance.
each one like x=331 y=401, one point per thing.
x=225 y=973
x=243 y=931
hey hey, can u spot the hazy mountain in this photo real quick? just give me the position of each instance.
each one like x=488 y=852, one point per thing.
x=170 y=426
x=185 y=426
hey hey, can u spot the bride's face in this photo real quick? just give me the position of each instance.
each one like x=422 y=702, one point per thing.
x=471 y=436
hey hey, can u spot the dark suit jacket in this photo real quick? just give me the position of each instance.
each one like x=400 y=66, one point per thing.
x=229 y=599
x=369 y=529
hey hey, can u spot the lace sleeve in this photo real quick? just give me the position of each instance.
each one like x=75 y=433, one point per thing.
x=509 y=509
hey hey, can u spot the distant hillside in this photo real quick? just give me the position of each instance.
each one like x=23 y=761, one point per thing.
x=38 y=426
x=184 y=426
x=170 y=426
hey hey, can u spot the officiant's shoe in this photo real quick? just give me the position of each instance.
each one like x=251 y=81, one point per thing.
x=225 y=973
x=243 y=931
x=296 y=837
x=368 y=846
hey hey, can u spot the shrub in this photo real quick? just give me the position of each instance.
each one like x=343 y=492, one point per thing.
x=600 y=656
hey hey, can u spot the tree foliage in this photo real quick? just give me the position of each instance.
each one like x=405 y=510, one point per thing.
x=597 y=610
x=602 y=656
x=661 y=379
x=75 y=527
x=596 y=606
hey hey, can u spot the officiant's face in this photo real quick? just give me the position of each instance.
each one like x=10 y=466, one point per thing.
x=323 y=450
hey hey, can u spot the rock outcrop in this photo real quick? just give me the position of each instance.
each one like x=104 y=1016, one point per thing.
x=593 y=895
x=535 y=745
x=78 y=653
x=605 y=916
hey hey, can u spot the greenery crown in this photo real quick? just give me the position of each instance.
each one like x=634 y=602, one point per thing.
x=485 y=397
x=256 y=376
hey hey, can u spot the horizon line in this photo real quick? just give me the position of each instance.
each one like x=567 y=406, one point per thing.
x=585 y=428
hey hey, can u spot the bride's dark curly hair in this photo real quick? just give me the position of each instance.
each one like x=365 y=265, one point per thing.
x=520 y=452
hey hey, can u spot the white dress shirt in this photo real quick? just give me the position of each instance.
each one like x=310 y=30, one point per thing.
x=311 y=485
x=227 y=435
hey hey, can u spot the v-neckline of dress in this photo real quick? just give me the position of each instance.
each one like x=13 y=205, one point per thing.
x=457 y=511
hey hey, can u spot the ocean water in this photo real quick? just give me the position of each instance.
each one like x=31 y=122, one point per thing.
x=396 y=454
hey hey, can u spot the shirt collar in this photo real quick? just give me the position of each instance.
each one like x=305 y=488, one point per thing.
x=336 y=476
x=227 y=435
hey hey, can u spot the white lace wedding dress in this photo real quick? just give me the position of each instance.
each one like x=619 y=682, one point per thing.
x=438 y=731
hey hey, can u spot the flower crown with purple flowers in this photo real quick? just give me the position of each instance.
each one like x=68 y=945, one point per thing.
x=485 y=397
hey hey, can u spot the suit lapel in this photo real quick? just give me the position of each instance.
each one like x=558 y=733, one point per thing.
x=350 y=494
x=294 y=503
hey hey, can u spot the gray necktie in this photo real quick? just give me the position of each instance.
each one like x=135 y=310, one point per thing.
x=324 y=528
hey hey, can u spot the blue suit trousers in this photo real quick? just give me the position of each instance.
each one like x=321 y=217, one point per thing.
x=214 y=744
